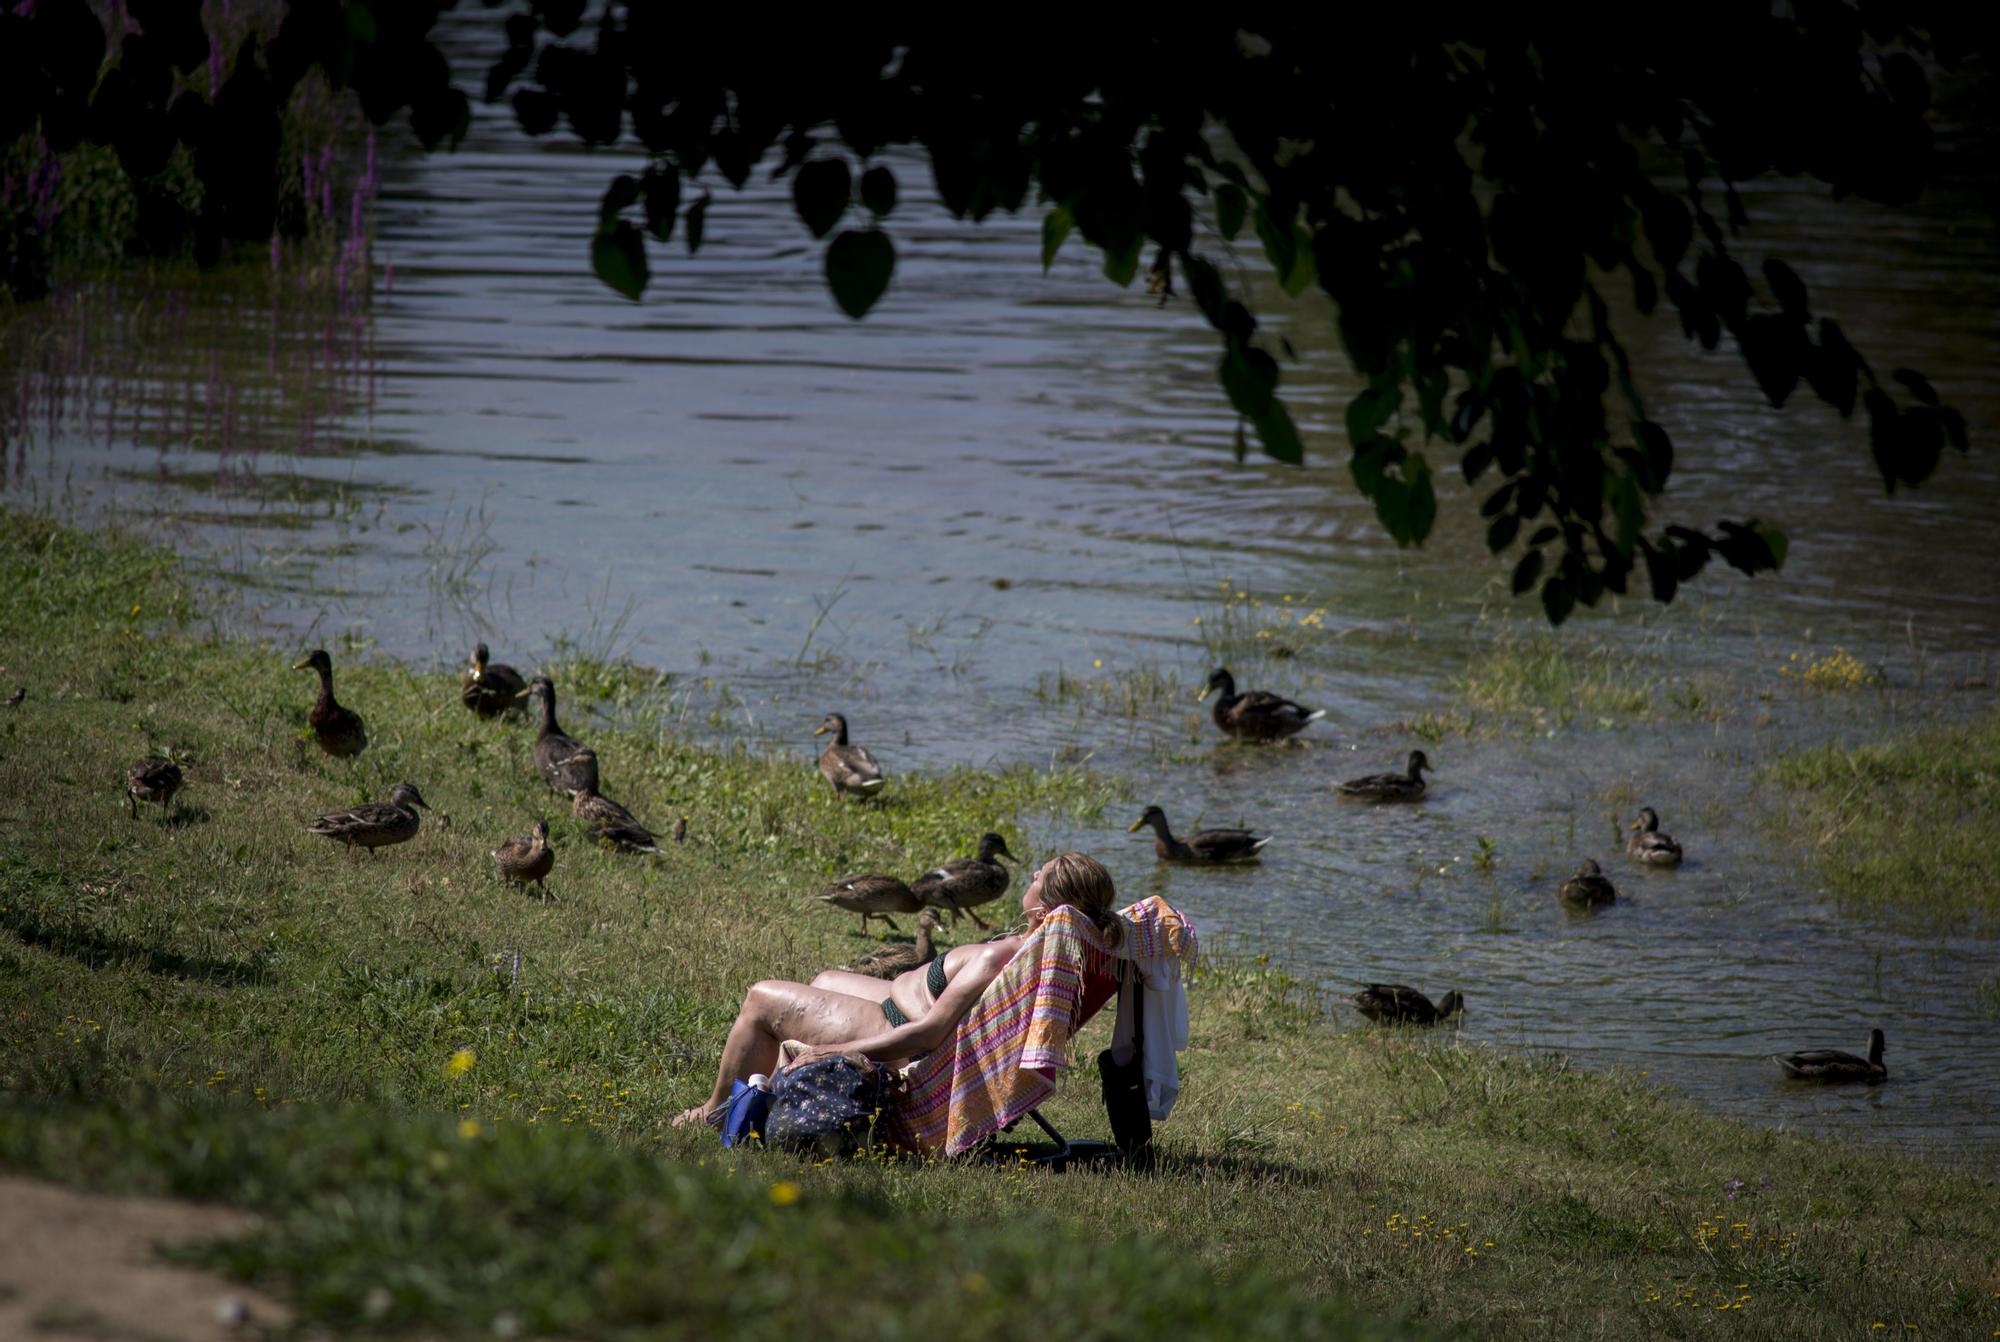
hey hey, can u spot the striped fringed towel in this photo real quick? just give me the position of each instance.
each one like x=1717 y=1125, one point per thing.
x=1002 y=1059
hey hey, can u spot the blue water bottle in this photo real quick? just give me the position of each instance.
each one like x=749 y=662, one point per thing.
x=749 y=1102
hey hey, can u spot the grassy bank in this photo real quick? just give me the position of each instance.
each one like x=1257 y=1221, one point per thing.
x=219 y=1005
x=1906 y=826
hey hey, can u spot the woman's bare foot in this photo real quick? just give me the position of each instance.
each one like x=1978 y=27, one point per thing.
x=687 y=1118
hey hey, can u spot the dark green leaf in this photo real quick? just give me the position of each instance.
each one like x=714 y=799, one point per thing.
x=661 y=187
x=1206 y=286
x=697 y=222
x=858 y=266
x=1919 y=385
x=1477 y=458
x=1277 y=433
x=1121 y=260
x=1423 y=499
x=1056 y=226
x=1250 y=376
x=1501 y=533
x=1525 y=572
x=1883 y=435
x=1722 y=283
x=1834 y=369
x=1774 y=541
x=618 y=255
x=1921 y=443
x=878 y=191
x=820 y=192
x=1229 y=210
x=622 y=194
x=1369 y=411
x=1775 y=349
x=1558 y=599
x=1660 y=571
x=1787 y=288
x=1658 y=450
x=1954 y=428
x=1280 y=239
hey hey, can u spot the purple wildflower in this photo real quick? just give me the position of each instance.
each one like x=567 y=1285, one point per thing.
x=1730 y=1187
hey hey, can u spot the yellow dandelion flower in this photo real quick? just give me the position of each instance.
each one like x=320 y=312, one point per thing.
x=469 y=1128
x=784 y=1193
x=461 y=1063
x=1098 y=663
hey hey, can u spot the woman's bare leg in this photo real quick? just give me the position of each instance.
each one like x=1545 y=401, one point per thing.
x=774 y=1011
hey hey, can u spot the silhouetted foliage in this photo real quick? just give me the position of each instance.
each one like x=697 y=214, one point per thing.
x=1464 y=184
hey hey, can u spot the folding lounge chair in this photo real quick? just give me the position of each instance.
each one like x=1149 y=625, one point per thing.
x=1131 y=1148
x=1001 y=1064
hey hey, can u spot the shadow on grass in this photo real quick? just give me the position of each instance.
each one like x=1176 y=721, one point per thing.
x=96 y=950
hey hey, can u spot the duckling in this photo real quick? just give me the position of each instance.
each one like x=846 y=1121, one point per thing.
x=851 y=770
x=374 y=824
x=567 y=766
x=1205 y=845
x=151 y=780
x=612 y=823
x=1256 y=715
x=963 y=883
x=523 y=860
x=1647 y=846
x=1397 y=1003
x=885 y=962
x=873 y=895
x=681 y=830
x=1830 y=1064
x=490 y=688
x=1407 y=786
x=1589 y=888
x=338 y=730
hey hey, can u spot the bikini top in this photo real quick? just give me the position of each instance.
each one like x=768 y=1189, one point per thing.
x=936 y=979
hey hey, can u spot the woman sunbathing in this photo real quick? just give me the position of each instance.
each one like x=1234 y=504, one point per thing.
x=841 y=1013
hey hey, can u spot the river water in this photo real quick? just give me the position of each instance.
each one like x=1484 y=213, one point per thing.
x=1007 y=505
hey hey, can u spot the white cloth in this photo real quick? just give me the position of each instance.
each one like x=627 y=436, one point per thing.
x=1166 y=1012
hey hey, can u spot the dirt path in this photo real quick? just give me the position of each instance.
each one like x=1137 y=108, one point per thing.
x=76 y=1264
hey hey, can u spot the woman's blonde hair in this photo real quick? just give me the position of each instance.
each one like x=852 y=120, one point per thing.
x=1081 y=881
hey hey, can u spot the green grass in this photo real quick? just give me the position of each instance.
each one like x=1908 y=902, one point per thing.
x=1908 y=825
x=219 y=1005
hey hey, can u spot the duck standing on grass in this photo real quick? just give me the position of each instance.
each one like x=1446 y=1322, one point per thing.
x=1647 y=846
x=1256 y=715
x=885 y=962
x=612 y=823
x=1590 y=888
x=872 y=895
x=1204 y=845
x=374 y=824
x=1406 y=786
x=490 y=688
x=152 y=780
x=963 y=883
x=523 y=860
x=850 y=769
x=1400 y=1004
x=338 y=730
x=1832 y=1065
x=567 y=766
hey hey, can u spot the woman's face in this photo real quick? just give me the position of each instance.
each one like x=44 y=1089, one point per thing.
x=1032 y=902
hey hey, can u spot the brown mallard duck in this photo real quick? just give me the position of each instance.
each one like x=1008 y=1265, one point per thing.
x=1256 y=715
x=612 y=823
x=338 y=730
x=851 y=769
x=1405 y=786
x=1645 y=844
x=151 y=780
x=1590 y=888
x=523 y=860
x=873 y=895
x=374 y=824
x=567 y=766
x=1832 y=1065
x=1398 y=1003
x=490 y=688
x=885 y=962
x=1204 y=845
x=966 y=882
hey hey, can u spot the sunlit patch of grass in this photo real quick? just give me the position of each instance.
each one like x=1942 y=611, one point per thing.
x=1146 y=691
x=1553 y=682
x=1907 y=825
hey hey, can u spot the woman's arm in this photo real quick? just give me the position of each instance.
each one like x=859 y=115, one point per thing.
x=937 y=1024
